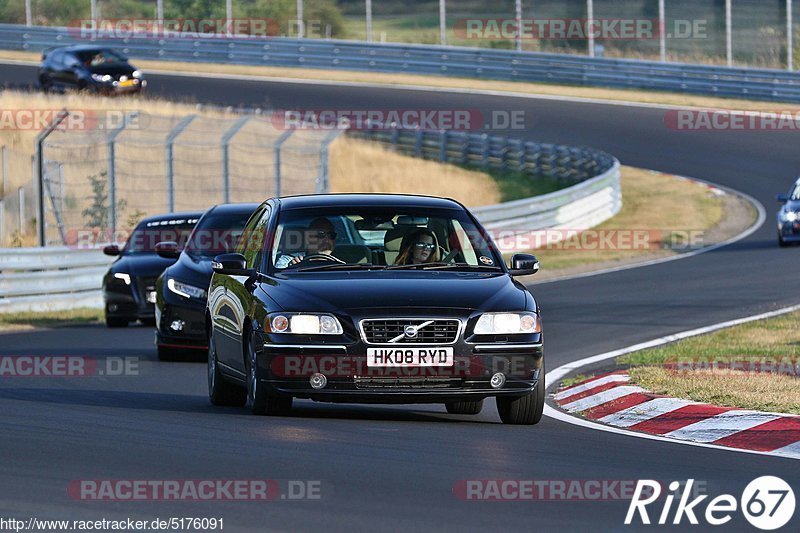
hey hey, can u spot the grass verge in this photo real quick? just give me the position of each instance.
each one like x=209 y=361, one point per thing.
x=622 y=95
x=720 y=367
x=49 y=319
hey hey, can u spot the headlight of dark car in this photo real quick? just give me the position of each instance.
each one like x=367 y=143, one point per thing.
x=788 y=215
x=508 y=324
x=102 y=78
x=187 y=291
x=303 y=324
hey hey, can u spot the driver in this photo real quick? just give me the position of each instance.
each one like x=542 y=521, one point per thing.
x=319 y=239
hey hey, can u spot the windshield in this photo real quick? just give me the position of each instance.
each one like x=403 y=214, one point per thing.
x=216 y=234
x=149 y=233
x=387 y=237
x=96 y=58
x=795 y=193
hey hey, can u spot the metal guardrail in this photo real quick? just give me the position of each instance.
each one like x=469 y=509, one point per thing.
x=47 y=279
x=750 y=83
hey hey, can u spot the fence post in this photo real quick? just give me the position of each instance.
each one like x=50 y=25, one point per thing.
x=442 y=23
x=112 y=171
x=369 y=21
x=277 y=149
x=518 y=18
x=4 y=155
x=789 y=37
x=21 y=212
x=38 y=165
x=589 y=23
x=323 y=182
x=2 y=222
x=728 y=34
x=662 y=31
x=226 y=139
x=173 y=134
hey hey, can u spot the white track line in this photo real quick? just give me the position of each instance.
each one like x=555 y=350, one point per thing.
x=600 y=398
x=593 y=384
x=554 y=376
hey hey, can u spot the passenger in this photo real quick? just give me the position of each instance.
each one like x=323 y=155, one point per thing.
x=419 y=246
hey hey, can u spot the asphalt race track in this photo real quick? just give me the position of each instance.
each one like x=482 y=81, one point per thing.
x=395 y=468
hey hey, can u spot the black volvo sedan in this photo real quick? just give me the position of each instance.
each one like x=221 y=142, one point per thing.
x=788 y=216
x=89 y=68
x=373 y=299
x=129 y=285
x=180 y=292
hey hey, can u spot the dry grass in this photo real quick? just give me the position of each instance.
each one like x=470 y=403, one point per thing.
x=27 y=320
x=772 y=343
x=652 y=201
x=626 y=95
x=762 y=392
x=360 y=166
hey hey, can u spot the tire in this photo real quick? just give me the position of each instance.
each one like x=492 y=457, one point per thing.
x=464 y=407
x=114 y=322
x=781 y=242
x=523 y=410
x=220 y=391
x=45 y=83
x=259 y=401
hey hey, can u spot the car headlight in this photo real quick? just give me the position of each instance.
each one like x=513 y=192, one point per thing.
x=103 y=78
x=508 y=323
x=303 y=324
x=123 y=276
x=789 y=216
x=186 y=290
x=137 y=74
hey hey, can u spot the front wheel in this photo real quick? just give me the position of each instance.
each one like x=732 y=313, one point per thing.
x=523 y=410
x=260 y=402
x=220 y=391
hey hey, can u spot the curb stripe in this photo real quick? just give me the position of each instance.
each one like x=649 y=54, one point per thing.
x=643 y=412
x=599 y=387
x=593 y=382
x=614 y=406
x=721 y=426
x=766 y=437
x=679 y=418
x=792 y=450
x=601 y=398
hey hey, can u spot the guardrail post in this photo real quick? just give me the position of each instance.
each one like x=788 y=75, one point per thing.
x=443 y=146
x=418 y=143
x=112 y=171
x=277 y=149
x=173 y=134
x=226 y=140
x=39 y=169
x=485 y=153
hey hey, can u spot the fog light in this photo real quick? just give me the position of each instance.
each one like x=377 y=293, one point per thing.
x=113 y=308
x=318 y=381
x=177 y=325
x=498 y=380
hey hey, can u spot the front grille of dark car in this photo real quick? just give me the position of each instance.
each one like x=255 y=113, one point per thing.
x=407 y=383
x=381 y=331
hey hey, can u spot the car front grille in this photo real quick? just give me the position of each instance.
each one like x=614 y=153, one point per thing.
x=407 y=383
x=432 y=331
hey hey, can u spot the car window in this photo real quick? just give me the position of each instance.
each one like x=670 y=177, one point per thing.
x=149 y=233
x=383 y=236
x=96 y=58
x=57 y=58
x=216 y=234
x=796 y=192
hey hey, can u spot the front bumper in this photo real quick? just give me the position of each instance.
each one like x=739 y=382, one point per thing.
x=191 y=336
x=789 y=231
x=286 y=370
x=130 y=301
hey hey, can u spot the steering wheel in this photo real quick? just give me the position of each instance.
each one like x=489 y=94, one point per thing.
x=321 y=257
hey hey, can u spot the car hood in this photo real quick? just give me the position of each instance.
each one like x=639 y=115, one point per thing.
x=792 y=205
x=196 y=271
x=144 y=265
x=376 y=289
x=113 y=70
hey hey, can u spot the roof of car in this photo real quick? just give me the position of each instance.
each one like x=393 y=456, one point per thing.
x=80 y=48
x=173 y=216
x=367 y=200
x=233 y=209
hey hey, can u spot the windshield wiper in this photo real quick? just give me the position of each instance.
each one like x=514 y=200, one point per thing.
x=416 y=265
x=442 y=266
x=338 y=266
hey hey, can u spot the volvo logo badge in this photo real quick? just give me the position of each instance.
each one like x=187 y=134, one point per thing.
x=410 y=332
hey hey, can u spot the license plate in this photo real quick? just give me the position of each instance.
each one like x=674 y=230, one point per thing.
x=151 y=297
x=404 y=357
x=127 y=83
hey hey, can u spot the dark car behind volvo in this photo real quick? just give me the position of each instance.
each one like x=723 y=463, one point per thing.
x=359 y=319
x=129 y=284
x=91 y=68
x=788 y=216
x=181 y=290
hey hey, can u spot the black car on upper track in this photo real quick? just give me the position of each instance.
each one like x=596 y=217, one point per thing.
x=375 y=299
x=89 y=67
x=129 y=284
x=788 y=217
x=180 y=291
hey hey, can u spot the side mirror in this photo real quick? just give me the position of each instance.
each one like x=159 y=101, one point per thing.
x=111 y=249
x=168 y=250
x=782 y=198
x=231 y=264
x=523 y=265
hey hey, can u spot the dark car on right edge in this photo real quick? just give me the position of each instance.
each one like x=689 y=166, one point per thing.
x=318 y=302
x=788 y=217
